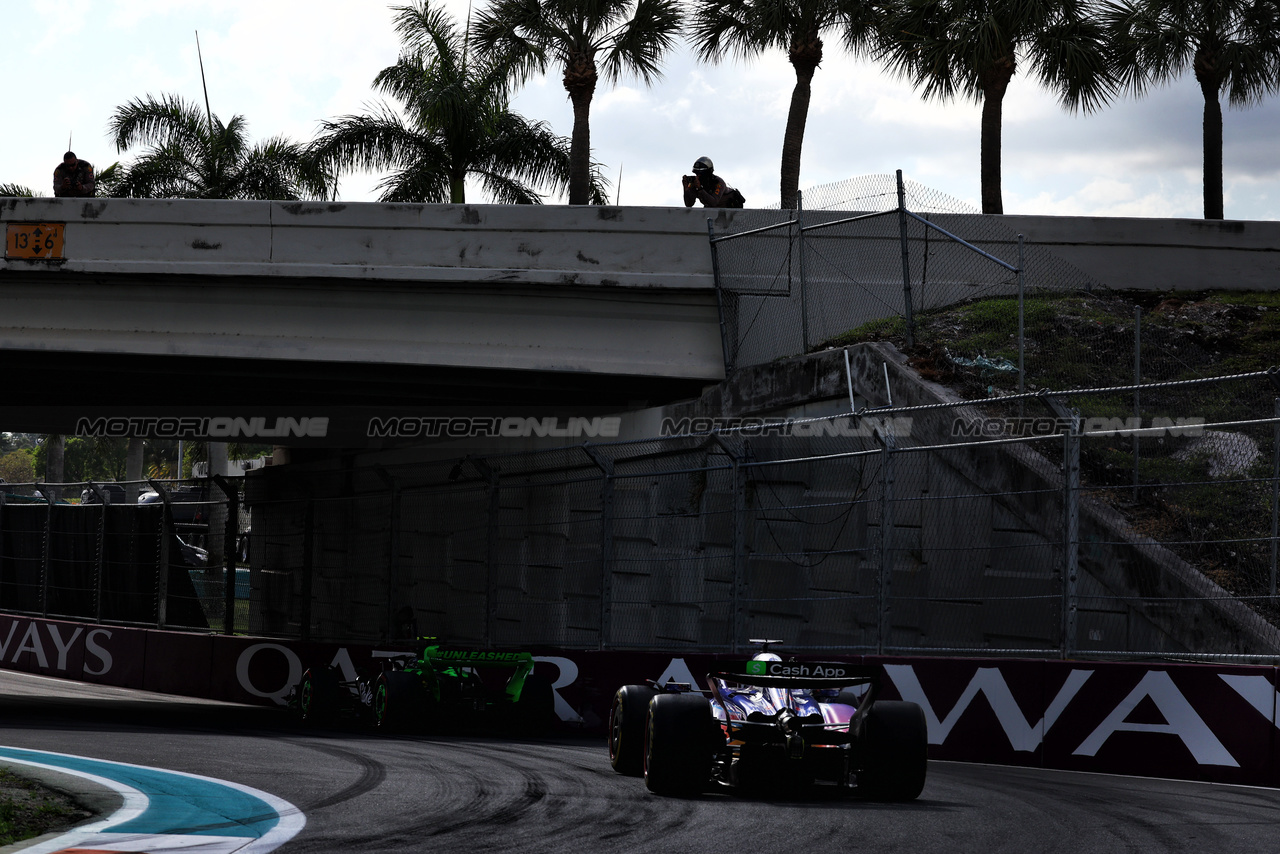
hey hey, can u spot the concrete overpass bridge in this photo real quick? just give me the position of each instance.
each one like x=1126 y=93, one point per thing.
x=130 y=303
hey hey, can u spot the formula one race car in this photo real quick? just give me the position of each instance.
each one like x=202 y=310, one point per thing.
x=771 y=726
x=434 y=689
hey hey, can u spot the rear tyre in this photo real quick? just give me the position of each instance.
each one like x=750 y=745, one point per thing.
x=627 y=718
x=318 y=696
x=677 y=744
x=895 y=751
x=397 y=701
x=536 y=710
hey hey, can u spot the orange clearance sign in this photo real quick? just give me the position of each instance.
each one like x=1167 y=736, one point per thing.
x=34 y=240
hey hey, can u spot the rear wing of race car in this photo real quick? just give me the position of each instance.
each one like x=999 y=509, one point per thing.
x=812 y=675
x=521 y=662
x=799 y=674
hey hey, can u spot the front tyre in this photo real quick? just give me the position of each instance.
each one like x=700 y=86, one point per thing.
x=319 y=694
x=895 y=750
x=677 y=745
x=397 y=700
x=627 y=718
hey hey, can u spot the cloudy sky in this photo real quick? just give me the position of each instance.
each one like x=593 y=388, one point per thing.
x=286 y=64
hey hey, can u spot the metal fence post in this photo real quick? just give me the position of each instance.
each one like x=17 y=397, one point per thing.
x=3 y=556
x=1275 y=492
x=1137 y=380
x=308 y=569
x=1071 y=535
x=605 y=464
x=884 y=611
x=104 y=499
x=804 y=303
x=906 y=264
x=162 y=573
x=739 y=554
x=1022 y=338
x=48 y=542
x=715 y=276
x=490 y=582
x=230 y=530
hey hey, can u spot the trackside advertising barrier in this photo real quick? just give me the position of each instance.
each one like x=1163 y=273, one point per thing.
x=1185 y=721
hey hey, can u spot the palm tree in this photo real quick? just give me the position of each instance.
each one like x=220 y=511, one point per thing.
x=457 y=124
x=16 y=190
x=746 y=28
x=583 y=38
x=1228 y=44
x=972 y=48
x=191 y=154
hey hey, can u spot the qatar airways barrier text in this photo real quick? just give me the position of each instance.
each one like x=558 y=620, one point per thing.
x=1185 y=721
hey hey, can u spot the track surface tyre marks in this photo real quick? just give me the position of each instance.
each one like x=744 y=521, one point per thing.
x=372 y=774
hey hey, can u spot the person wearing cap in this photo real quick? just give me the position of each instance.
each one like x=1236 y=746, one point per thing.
x=74 y=177
x=705 y=186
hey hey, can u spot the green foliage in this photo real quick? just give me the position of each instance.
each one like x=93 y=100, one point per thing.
x=18 y=466
x=15 y=190
x=28 y=809
x=973 y=48
x=455 y=123
x=584 y=40
x=746 y=28
x=191 y=155
x=874 y=330
x=1228 y=45
x=85 y=459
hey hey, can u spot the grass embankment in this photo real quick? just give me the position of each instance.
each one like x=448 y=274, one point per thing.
x=1213 y=509
x=28 y=809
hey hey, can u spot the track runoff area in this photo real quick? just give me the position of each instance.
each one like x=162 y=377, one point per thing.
x=204 y=766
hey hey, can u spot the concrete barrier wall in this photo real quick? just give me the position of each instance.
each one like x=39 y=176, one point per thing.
x=442 y=244
x=1195 y=722
x=626 y=246
x=1161 y=254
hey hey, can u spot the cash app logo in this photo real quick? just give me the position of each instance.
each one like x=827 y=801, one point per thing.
x=756 y=668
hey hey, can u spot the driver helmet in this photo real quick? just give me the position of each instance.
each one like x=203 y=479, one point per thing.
x=701 y=165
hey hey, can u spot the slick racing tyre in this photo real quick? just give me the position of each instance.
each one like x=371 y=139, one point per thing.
x=397 y=700
x=319 y=694
x=626 y=728
x=677 y=744
x=895 y=751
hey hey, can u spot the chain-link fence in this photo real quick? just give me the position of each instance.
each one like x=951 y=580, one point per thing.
x=880 y=256
x=950 y=527
x=894 y=530
x=156 y=553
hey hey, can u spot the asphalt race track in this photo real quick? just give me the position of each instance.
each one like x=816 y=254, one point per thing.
x=363 y=792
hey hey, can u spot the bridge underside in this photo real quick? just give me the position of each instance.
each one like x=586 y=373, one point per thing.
x=46 y=387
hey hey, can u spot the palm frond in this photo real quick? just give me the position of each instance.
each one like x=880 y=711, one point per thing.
x=642 y=41
x=148 y=121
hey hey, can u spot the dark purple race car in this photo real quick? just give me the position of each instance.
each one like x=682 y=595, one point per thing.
x=773 y=726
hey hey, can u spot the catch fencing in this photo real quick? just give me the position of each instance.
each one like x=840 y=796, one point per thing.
x=949 y=528
x=880 y=256
x=95 y=552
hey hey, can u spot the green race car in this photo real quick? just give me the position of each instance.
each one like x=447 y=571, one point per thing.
x=435 y=689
